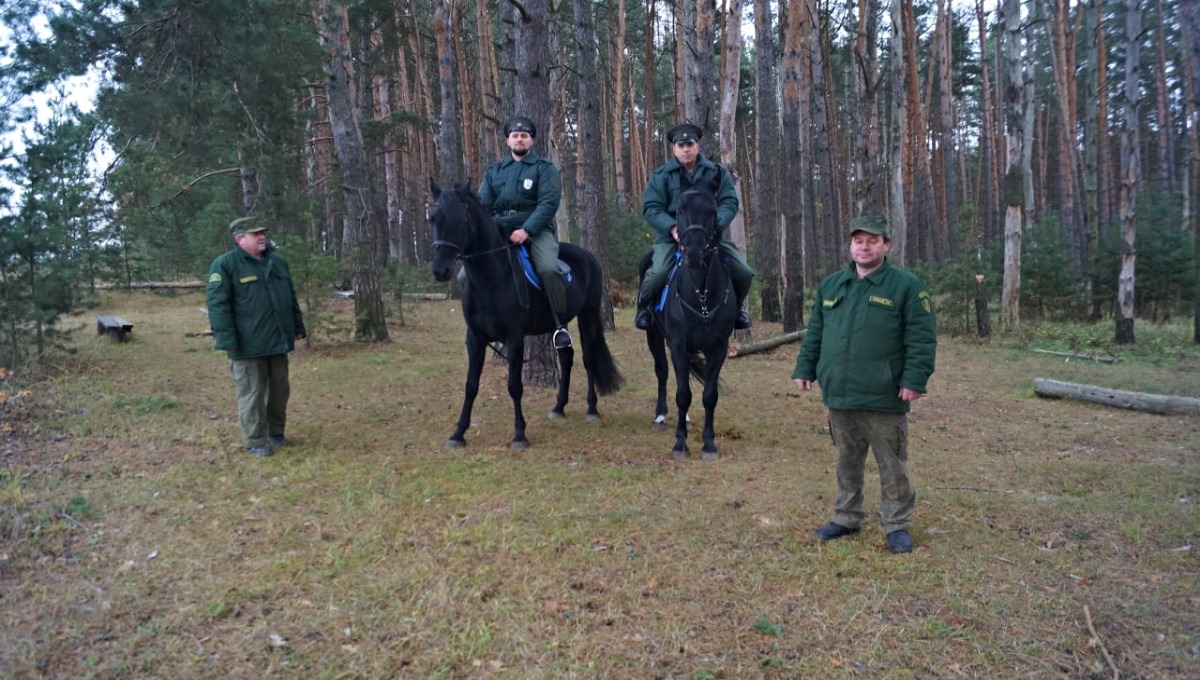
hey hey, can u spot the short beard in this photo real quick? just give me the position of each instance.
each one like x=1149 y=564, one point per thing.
x=519 y=153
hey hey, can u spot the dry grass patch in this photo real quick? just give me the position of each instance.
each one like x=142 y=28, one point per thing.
x=139 y=540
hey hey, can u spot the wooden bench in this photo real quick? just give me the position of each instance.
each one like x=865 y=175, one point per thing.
x=114 y=326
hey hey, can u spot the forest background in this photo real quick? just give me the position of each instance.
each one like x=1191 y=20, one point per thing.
x=1041 y=154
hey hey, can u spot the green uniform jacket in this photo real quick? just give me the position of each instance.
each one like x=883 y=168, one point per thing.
x=661 y=199
x=252 y=305
x=869 y=337
x=522 y=194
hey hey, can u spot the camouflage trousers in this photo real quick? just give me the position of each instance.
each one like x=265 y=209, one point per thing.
x=887 y=435
x=262 y=396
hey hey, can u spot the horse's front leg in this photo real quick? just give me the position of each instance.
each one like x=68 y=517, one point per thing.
x=713 y=362
x=475 y=347
x=516 y=389
x=658 y=351
x=566 y=359
x=683 y=397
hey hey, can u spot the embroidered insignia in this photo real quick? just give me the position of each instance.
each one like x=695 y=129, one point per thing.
x=828 y=303
x=875 y=299
x=247 y=279
x=215 y=277
x=528 y=184
x=925 y=304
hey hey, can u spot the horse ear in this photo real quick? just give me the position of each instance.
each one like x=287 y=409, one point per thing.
x=434 y=189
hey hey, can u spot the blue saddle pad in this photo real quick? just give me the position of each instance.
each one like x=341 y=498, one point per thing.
x=532 y=276
x=662 y=299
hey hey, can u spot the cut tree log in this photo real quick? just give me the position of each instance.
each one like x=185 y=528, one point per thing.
x=1162 y=404
x=764 y=345
x=150 y=285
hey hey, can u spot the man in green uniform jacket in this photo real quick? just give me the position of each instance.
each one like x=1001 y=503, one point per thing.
x=256 y=319
x=870 y=343
x=659 y=204
x=523 y=192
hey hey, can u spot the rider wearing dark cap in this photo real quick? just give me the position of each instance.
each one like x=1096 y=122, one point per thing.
x=523 y=192
x=659 y=204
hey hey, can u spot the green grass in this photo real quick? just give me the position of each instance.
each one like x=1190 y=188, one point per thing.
x=365 y=549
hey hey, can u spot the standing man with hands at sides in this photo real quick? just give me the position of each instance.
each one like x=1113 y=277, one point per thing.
x=256 y=319
x=523 y=192
x=659 y=205
x=870 y=343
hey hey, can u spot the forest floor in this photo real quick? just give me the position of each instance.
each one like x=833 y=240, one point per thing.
x=1055 y=539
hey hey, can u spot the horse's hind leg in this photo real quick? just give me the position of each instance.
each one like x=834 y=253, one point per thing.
x=659 y=353
x=566 y=359
x=516 y=389
x=475 y=347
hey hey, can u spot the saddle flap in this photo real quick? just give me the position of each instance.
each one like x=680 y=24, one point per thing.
x=531 y=274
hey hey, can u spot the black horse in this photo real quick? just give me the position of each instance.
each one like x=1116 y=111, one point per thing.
x=500 y=305
x=696 y=318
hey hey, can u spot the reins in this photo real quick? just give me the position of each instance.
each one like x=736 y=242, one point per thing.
x=704 y=313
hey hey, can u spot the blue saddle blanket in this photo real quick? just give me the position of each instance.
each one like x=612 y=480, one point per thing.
x=532 y=276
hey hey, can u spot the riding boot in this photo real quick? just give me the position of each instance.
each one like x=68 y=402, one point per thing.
x=562 y=338
x=743 y=318
x=642 y=320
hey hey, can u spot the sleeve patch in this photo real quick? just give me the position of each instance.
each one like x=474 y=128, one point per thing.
x=215 y=277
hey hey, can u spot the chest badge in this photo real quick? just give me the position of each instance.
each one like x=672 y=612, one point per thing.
x=528 y=184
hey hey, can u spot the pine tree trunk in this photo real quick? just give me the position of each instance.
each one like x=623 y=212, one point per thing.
x=1190 y=21
x=766 y=134
x=590 y=184
x=363 y=220
x=1131 y=171
x=1014 y=91
x=1091 y=160
x=1166 y=128
x=450 y=143
x=898 y=213
x=793 y=174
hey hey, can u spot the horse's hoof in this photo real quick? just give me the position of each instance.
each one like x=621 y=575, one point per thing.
x=679 y=454
x=656 y=426
x=593 y=417
x=519 y=445
x=455 y=443
x=710 y=455
x=555 y=415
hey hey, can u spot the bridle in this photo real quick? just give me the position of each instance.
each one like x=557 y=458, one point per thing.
x=705 y=313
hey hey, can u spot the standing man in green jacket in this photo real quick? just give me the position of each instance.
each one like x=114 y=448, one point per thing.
x=870 y=343
x=659 y=204
x=524 y=191
x=256 y=319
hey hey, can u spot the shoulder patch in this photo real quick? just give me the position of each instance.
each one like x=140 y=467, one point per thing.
x=215 y=277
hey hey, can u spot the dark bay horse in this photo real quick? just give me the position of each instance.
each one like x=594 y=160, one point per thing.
x=500 y=305
x=696 y=318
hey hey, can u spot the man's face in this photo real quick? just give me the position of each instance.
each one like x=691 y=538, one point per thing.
x=254 y=243
x=519 y=143
x=868 y=250
x=686 y=152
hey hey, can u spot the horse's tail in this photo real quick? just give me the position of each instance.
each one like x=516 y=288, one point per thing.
x=697 y=366
x=597 y=358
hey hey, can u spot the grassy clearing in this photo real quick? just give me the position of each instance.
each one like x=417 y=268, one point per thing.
x=137 y=539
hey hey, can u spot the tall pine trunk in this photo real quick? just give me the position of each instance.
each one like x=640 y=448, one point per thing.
x=1014 y=128
x=766 y=186
x=1131 y=170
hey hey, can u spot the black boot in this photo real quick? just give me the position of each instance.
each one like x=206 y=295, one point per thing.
x=643 y=319
x=562 y=338
x=743 y=318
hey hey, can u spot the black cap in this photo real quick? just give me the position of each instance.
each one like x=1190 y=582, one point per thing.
x=246 y=225
x=520 y=124
x=872 y=224
x=684 y=132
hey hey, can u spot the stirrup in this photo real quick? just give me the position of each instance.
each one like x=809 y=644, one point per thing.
x=562 y=338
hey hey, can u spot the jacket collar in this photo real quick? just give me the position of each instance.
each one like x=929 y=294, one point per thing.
x=529 y=159
x=701 y=162
x=850 y=273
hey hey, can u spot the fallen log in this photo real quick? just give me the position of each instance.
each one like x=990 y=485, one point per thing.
x=764 y=345
x=1162 y=404
x=1102 y=358
x=150 y=285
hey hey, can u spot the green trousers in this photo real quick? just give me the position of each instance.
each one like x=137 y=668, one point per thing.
x=887 y=435
x=740 y=273
x=262 y=396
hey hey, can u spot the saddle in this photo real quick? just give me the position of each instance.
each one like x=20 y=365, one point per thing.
x=531 y=274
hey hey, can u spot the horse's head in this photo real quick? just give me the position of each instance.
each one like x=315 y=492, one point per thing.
x=450 y=225
x=696 y=219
